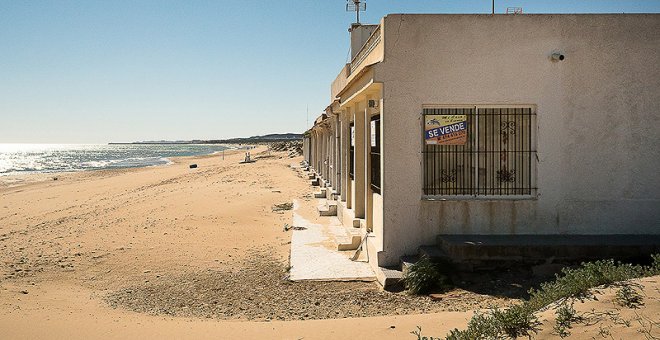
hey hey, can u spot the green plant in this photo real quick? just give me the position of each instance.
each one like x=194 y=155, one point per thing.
x=419 y=335
x=498 y=324
x=628 y=296
x=576 y=282
x=520 y=320
x=422 y=276
x=565 y=317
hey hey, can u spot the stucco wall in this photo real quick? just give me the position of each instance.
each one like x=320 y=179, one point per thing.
x=598 y=120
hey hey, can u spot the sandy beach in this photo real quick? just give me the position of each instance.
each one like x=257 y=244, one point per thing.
x=175 y=252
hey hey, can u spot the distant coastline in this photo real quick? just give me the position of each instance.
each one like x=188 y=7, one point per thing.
x=275 y=137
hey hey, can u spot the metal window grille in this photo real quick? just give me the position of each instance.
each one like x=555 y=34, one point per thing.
x=351 y=151
x=497 y=159
x=375 y=154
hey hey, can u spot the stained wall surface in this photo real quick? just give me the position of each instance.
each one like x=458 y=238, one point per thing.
x=598 y=121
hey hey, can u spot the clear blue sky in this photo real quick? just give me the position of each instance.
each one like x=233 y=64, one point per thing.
x=100 y=71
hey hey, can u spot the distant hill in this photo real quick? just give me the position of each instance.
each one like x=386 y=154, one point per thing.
x=273 y=137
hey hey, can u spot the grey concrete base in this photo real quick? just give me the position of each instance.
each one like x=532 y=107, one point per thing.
x=389 y=279
x=320 y=194
x=329 y=209
x=350 y=242
x=530 y=248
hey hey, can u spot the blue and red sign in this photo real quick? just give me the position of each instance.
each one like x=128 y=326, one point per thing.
x=445 y=129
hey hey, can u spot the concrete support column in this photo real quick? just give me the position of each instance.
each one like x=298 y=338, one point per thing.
x=350 y=198
x=325 y=154
x=336 y=183
x=344 y=153
x=360 y=161
x=331 y=152
x=367 y=169
x=322 y=152
x=319 y=152
x=329 y=141
x=324 y=163
x=312 y=153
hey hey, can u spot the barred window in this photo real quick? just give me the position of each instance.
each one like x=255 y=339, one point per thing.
x=375 y=153
x=479 y=151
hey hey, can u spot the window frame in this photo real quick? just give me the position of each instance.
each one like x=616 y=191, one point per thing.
x=534 y=190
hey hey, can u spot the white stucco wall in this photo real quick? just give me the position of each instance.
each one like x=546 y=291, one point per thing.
x=598 y=120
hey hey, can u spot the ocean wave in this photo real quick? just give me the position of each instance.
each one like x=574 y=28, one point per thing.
x=62 y=158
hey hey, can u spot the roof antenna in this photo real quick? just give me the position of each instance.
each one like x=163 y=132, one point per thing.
x=356 y=6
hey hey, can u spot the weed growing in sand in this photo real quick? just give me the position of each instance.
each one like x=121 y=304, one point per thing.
x=498 y=324
x=282 y=206
x=573 y=283
x=423 y=276
x=628 y=296
x=419 y=335
x=565 y=317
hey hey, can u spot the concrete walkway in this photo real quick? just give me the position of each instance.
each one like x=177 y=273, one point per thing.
x=314 y=254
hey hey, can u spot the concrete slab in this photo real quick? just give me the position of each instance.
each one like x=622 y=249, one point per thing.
x=314 y=254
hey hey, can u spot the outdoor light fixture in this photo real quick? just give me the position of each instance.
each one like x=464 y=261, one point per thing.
x=373 y=103
x=556 y=56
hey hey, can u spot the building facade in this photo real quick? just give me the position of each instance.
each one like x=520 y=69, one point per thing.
x=494 y=125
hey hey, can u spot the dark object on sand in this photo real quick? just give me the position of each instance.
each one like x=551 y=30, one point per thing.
x=282 y=206
x=54 y=178
x=193 y=166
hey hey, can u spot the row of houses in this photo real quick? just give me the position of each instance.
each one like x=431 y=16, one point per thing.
x=522 y=127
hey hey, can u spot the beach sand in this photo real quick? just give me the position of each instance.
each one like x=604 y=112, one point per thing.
x=174 y=252
x=140 y=252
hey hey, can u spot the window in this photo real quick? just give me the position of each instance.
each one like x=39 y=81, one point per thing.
x=479 y=151
x=375 y=153
x=351 y=151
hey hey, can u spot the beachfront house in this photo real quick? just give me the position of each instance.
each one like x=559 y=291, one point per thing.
x=512 y=131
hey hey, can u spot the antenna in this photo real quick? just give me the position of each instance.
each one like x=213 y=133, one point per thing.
x=356 y=6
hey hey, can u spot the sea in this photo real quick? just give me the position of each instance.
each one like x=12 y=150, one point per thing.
x=44 y=158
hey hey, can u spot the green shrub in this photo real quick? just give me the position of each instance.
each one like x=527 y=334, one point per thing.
x=498 y=324
x=423 y=276
x=572 y=283
x=565 y=317
x=628 y=296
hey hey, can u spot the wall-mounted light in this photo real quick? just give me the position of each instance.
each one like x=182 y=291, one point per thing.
x=557 y=56
x=373 y=103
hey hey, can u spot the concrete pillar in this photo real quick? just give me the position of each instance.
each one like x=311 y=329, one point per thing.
x=319 y=143
x=350 y=198
x=360 y=161
x=324 y=153
x=336 y=183
x=330 y=153
x=367 y=169
x=344 y=121
x=312 y=149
